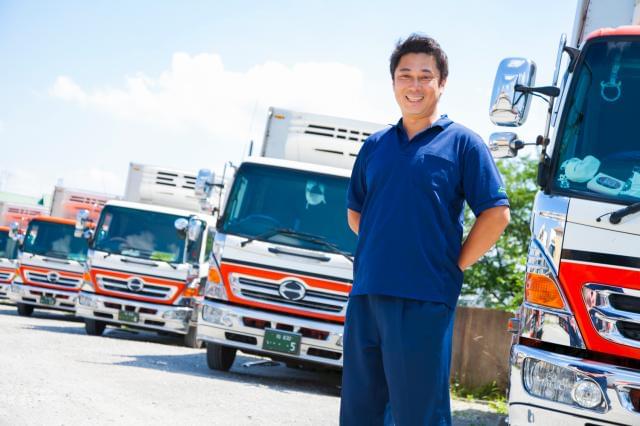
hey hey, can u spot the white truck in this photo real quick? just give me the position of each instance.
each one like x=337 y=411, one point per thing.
x=51 y=258
x=281 y=266
x=19 y=213
x=575 y=358
x=148 y=257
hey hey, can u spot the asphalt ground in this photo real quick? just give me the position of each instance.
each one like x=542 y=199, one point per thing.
x=52 y=373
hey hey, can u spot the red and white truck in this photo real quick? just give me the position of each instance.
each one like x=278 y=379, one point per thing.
x=148 y=257
x=281 y=265
x=11 y=212
x=51 y=258
x=8 y=263
x=575 y=358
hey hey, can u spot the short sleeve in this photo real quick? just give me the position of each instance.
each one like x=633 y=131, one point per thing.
x=358 y=184
x=482 y=184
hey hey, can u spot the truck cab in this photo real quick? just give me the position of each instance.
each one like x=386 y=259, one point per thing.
x=8 y=263
x=51 y=262
x=575 y=357
x=148 y=261
x=282 y=260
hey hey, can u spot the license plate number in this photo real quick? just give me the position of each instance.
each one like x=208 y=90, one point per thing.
x=128 y=316
x=47 y=300
x=281 y=341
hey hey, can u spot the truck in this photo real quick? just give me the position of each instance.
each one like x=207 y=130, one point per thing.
x=51 y=258
x=575 y=353
x=148 y=257
x=281 y=263
x=8 y=264
x=19 y=213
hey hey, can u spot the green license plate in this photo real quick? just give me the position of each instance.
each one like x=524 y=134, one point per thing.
x=128 y=316
x=46 y=300
x=281 y=341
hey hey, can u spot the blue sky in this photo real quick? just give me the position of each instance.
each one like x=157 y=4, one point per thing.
x=88 y=87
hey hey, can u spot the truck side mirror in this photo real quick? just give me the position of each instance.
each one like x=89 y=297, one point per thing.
x=14 y=232
x=509 y=107
x=204 y=182
x=181 y=224
x=82 y=224
x=504 y=144
x=194 y=229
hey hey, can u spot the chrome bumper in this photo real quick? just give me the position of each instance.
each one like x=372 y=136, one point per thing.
x=232 y=323
x=526 y=409
x=30 y=295
x=173 y=319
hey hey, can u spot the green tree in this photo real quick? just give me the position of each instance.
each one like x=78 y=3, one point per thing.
x=497 y=278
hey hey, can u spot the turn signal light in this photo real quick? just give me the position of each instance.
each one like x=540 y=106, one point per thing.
x=214 y=275
x=86 y=276
x=542 y=290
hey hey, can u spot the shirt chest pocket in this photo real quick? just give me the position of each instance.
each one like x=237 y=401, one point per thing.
x=432 y=173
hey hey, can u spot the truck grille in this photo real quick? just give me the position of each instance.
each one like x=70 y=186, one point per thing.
x=269 y=291
x=155 y=291
x=614 y=312
x=6 y=276
x=52 y=279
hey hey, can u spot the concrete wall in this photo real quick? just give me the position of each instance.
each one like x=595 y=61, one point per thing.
x=481 y=345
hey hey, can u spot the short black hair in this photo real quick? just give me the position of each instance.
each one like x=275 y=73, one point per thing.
x=418 y=43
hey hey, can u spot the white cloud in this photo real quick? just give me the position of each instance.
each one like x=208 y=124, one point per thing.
x=197 y=92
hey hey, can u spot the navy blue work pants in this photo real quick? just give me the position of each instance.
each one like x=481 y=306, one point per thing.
x=397 y=356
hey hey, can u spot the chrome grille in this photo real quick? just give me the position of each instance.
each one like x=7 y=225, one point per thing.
x=614 y=312
x=42 y=278
x=155 y=291
x=268 y=291
x=6 y=276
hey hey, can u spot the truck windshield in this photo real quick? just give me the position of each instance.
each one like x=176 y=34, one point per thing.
x=599 y=148
x=266 y=198
x=54 y=239
x=139 y=233
x=8 y=247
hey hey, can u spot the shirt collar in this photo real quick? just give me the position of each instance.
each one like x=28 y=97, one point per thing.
x=441 y=122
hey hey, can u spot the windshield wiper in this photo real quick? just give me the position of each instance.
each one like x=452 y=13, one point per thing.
x=617 y=216
x=300 y=235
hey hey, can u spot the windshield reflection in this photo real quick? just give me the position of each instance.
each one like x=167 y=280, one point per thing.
x=599 y=152
x=8 y=247
x=266 y=198
x=55 y=240
x=141 y=234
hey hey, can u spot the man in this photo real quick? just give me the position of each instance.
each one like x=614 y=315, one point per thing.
x=405 y=202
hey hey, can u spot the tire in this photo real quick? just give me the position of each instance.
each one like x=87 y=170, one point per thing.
x=24 y=310
x=93 y=327
x=190 y=340
x=220 y=357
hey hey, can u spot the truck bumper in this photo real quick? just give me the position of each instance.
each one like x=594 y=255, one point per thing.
x=614 y=382
x=169 y=318
x=32 y=295
x=235 y=326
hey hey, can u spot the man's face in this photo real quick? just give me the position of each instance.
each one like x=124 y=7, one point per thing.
x=416 y=85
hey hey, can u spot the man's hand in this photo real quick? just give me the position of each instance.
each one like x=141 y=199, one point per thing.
x=353 y=217
x=483 y=235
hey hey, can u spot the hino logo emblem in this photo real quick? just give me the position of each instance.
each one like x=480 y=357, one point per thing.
x=135 y=284
x=292 y=290
x=53 y=277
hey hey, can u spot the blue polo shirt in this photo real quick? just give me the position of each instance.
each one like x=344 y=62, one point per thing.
x=410 y=195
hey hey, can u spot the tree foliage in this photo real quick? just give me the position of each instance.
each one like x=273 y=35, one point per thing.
x=496 y=280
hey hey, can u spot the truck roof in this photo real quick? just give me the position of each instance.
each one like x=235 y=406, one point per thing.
x=625 y=30
x=159 y=209
x=296 y=165
x=4 y=229
x=54 y=219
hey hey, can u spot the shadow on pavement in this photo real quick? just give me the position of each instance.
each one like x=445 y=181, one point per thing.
x=42 y=314
x=277 y=377
x=471 y=417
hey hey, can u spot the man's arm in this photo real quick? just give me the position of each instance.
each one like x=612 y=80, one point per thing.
x=489 y=225
x=353 y=217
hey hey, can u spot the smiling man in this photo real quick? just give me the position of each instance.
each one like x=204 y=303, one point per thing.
x=405 y=202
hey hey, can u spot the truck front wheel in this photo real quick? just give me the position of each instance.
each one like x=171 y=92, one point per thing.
x=24 y=310
x=220 y=357
x=93 y=327
x=190 y=340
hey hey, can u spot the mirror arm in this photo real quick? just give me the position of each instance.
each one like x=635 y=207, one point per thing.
x=573 y=57
x=551 y=91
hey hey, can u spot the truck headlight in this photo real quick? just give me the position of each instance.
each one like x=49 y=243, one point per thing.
x=87 y=301
x=217 y=316
x=177 y=314
x=559 y=384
